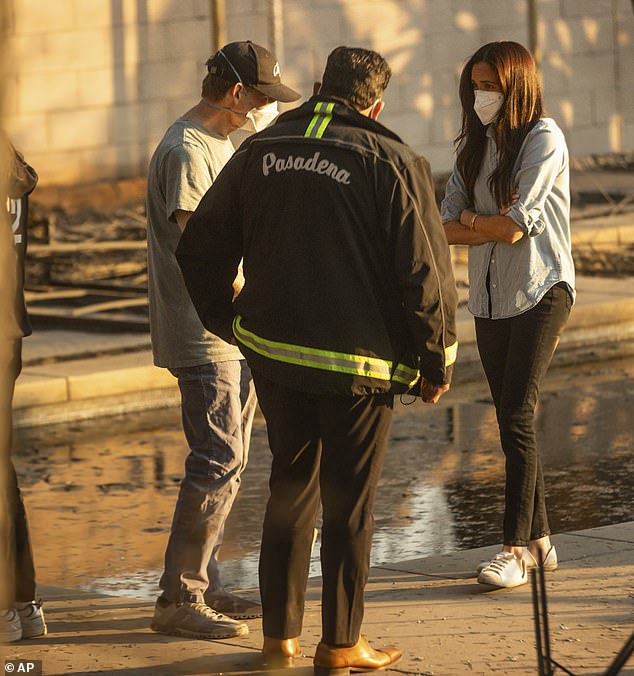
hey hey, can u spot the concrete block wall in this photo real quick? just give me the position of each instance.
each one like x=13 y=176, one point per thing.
x=96 y=82
x=588 y=52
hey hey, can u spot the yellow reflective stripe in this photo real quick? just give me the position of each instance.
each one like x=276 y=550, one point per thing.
x=322 y=116
x=370 y=366
x=326 y=360
x=451 y=353
x=326 y=122
x=315 y=119
x=406 y=375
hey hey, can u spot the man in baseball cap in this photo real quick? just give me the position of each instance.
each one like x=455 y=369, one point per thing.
x=217 y=394
x=254 y=66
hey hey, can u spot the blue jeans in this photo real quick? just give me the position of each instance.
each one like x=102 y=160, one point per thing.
x=218 y=404
x=516 y=353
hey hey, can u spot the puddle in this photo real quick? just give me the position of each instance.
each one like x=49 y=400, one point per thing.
x=100 y=496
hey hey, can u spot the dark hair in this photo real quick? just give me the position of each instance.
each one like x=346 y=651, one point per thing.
x=521 y=109
x=360 y=76
x=215 y=87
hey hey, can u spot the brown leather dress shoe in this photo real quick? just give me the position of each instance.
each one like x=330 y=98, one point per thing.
x=361 y=657
x=279 y=653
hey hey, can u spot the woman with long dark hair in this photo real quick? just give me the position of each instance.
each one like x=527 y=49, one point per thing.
x=508 y=198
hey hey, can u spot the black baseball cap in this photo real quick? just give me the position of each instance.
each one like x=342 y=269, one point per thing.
x=254 y=66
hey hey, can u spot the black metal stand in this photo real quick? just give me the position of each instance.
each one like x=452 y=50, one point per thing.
x=624 y=655
x=546 y=665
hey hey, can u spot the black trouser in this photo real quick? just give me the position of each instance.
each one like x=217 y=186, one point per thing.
x=333 y=448
x=17 y=558
x=516 y=353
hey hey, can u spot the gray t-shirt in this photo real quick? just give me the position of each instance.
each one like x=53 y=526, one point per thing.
x=183 y=167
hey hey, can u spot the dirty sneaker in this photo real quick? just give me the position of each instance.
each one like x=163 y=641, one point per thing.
x=10 y=627
x=504 y=570
x=194 y=620
x=233 y=606
x=31 y=618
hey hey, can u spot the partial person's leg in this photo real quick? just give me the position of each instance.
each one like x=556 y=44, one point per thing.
x=10 y=624
x=28 y=607
x=27 y=610
x=534 y=338
x=492 y=338
x=216 y=596
x=23 y=554
x=24 y=568
x=248 y=402
x=212 y=423
x=355 y=435
x=292 y=421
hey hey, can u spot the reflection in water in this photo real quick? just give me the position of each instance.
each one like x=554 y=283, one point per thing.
x=100 y=500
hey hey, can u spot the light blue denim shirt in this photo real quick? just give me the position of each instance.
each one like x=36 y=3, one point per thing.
x=520 y=273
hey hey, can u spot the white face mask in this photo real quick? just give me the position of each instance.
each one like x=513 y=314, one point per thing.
x=260 y=118
x=487 y=105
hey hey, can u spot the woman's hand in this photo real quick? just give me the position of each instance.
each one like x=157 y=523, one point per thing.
x=466 y=216
x=505 y=209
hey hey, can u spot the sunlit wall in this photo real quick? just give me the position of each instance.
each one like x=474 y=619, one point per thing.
x=95 y=83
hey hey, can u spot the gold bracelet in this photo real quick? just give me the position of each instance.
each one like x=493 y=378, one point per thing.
x=473 y=220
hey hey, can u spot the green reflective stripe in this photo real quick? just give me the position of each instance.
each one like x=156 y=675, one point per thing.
x=308 y=356
x=451 y=353
x=340 y=362
x=322 y=116
x=405 y=374
x=326 y=122
x=315 y=119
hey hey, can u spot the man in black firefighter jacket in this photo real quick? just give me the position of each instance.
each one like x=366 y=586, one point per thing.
x=349 y=299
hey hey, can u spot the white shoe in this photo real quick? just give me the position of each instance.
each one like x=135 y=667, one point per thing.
x=10 y=626
x=31 y=618
x=504 y=570
x=550 y=562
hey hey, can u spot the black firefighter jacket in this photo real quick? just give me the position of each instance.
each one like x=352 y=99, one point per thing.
x=349 y=286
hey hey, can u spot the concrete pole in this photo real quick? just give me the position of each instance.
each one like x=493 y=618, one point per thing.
x=218 y=17
x=276 y=30
x=533 y=31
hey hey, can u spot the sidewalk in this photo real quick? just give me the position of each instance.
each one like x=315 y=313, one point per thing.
x=444 y=622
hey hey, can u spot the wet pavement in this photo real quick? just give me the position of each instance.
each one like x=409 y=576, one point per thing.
x=100 y=495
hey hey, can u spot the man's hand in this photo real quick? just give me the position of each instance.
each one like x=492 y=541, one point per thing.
x=431 y=393
x=238 y=282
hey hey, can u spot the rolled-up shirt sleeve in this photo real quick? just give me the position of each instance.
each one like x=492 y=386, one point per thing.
x=543 y=158
x=455 y=199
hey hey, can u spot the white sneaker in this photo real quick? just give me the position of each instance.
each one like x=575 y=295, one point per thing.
x=31 y=618
x=10 y=626
x=550 y=562
x=504 y=570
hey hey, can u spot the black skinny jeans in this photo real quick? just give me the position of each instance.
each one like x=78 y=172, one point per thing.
x=516 y=353
x=330 y=449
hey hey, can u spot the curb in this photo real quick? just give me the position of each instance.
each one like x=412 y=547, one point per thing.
x=601 y=327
